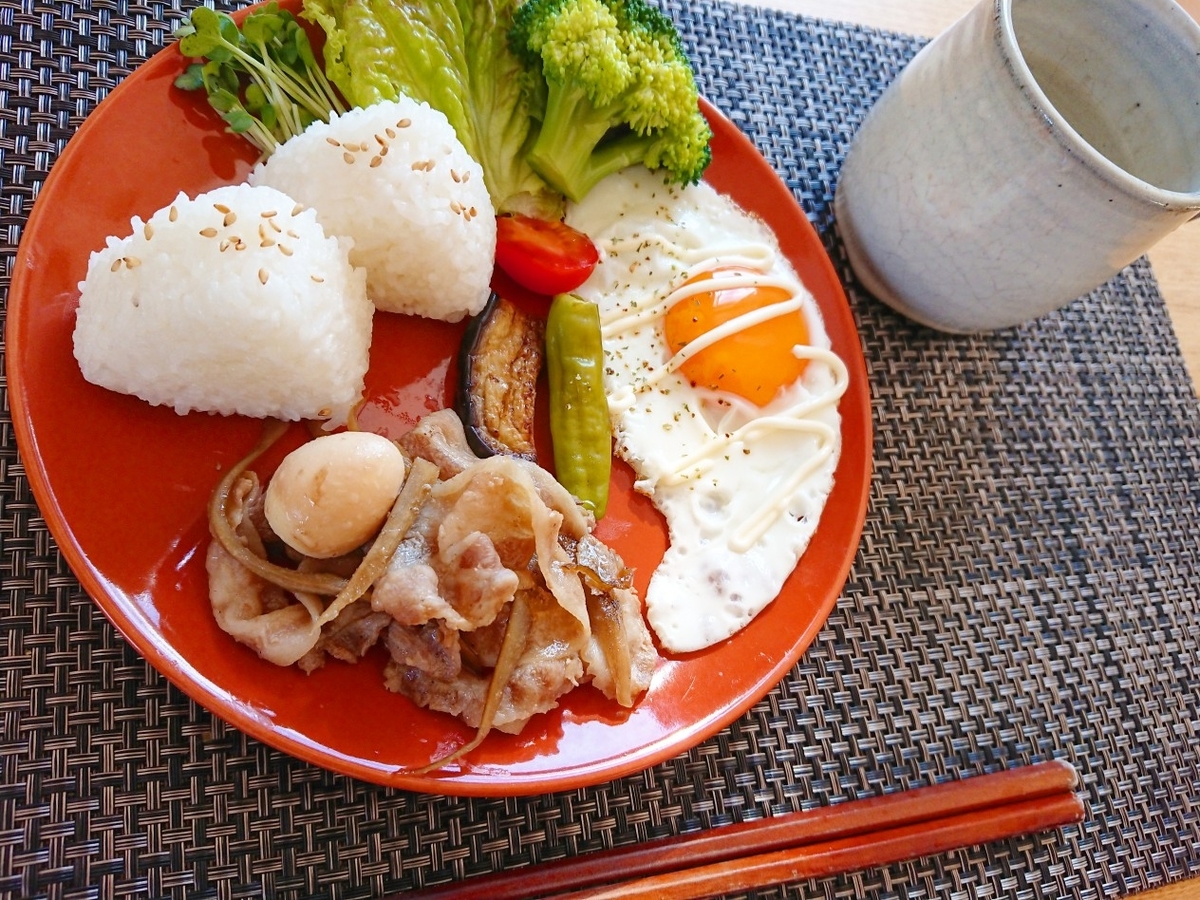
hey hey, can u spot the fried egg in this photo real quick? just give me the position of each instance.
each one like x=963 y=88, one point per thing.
x=723 y=394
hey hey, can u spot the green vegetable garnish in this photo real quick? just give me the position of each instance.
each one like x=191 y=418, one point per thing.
x=579 y=423
x=263 y=79
x=453 y=56
x=549 y=96
x=613 y=87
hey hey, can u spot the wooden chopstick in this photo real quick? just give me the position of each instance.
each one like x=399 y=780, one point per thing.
x=843 y=837
x=847 y=854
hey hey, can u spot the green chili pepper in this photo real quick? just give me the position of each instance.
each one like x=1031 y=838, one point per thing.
x=579 y=424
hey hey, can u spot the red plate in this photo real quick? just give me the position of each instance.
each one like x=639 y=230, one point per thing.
x=123 y=485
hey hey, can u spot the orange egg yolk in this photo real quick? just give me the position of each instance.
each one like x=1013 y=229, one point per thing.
x=754 y=362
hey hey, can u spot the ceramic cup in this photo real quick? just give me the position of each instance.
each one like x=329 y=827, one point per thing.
x=1023 y=158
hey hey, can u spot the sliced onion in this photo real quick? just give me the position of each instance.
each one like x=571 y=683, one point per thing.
x=421 y=478
x=594 y=581
x=223 y=531
x=604 y=612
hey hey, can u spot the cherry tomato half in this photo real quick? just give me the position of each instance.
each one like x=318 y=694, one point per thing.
x=547 y=257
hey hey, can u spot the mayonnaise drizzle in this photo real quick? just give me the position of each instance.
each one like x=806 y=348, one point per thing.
x=755 y=257
x=795 y=419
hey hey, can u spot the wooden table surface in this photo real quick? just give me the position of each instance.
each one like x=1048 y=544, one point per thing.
x=1176 y=260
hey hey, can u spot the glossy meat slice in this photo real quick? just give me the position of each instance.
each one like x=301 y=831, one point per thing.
x=465 y=584
x=432 y=648
x=355 y=631
x=279 y=628
x=541 y=535
x=548 y=668
x=439 y=438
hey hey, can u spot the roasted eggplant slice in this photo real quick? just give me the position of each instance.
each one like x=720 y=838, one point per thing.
x=498 y=365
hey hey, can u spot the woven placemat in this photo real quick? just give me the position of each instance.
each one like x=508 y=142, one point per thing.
x=1026 y=585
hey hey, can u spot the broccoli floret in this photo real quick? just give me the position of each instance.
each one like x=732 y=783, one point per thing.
x=612 y=86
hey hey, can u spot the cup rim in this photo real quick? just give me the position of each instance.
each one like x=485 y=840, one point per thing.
x=1105 y=167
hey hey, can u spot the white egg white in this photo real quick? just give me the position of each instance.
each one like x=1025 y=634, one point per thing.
x=741 y=487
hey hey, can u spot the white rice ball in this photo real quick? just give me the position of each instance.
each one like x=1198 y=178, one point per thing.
x=395 y=178
x=235 y=302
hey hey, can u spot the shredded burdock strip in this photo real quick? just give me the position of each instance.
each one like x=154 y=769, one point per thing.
x=516 y=634
x=421 y=478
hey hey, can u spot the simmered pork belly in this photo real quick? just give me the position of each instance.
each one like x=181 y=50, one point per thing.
x=547 y=668
x=495 y=601
x=255 y=611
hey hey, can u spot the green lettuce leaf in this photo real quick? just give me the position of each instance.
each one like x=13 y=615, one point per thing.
x=453 y=55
